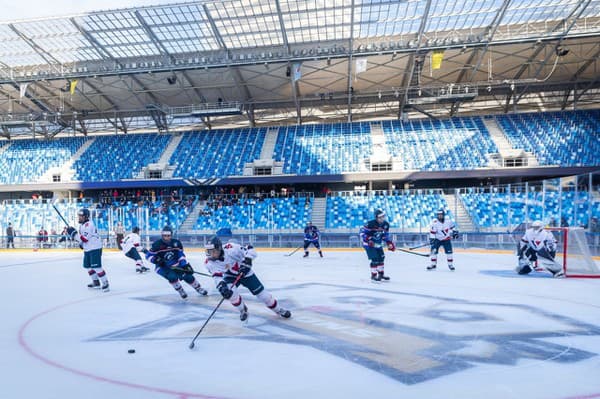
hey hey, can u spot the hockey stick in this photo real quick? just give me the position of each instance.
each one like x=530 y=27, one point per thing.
x=60 y=215
x=294 y=251
x=419 y=246
x=191 y=346
x=193 y=271
x=411 y=252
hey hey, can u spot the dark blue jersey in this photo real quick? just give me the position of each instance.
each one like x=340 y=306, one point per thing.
x=311 y=233
x=164 y=253
x=376 y=232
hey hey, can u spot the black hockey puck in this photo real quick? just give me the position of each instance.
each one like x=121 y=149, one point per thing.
x=131 y=351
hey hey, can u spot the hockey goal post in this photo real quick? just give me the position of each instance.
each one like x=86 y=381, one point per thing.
x=573 y=252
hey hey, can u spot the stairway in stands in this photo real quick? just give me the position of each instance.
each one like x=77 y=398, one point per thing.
x=66 y=171
x=318 y=212
x=461 y=217
x=190 y=221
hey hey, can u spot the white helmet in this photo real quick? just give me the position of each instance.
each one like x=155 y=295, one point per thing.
x=537 y=225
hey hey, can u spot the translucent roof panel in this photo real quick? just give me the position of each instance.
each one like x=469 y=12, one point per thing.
x=532 y=11
x=243 y=24
x=199 y=26
x=313 y=21
x=181 y=29
x=449 y=15
x=60 y=38
x=119 y=33
x=383 y=18
x=593 y=10
x=14 y=51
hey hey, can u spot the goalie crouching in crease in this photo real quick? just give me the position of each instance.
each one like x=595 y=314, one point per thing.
x=539 y=245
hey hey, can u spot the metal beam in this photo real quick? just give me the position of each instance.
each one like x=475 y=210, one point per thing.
x=95 y=44
x=571 y=19
x=408 y=78
x=350 y=61
x=480 y=52
x=49 y=58
x=282 y=26
x=579 y=72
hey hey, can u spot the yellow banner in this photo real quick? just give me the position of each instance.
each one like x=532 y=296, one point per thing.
x=436 y=59
x=73 y=86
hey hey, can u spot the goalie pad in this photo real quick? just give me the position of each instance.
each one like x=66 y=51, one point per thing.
x=524 y=266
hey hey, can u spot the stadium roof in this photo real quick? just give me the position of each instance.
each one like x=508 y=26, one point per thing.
x=215 y=63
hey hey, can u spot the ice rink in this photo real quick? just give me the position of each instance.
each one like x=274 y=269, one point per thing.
x=479 y=332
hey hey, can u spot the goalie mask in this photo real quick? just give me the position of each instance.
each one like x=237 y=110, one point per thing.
x=537 y=225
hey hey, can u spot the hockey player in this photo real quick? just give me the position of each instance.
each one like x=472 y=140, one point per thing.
x=225 y=263
x=373 y=236
x=441 y=233
x=168 y=256
x=538 y=244
x=131 y=247
x=312 y=236
x=90 y=241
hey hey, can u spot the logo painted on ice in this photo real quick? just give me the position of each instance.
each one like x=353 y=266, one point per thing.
x=406 y=336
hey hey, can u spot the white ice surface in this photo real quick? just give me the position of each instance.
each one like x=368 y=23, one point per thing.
x=480 y=331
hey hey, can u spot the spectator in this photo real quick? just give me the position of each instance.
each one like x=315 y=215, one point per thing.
x=120 y=233
x=10 y=236
x=42 y=237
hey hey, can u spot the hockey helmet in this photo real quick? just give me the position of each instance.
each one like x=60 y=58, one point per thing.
x=537 y=225
x=135 y=230
x=214 y=247
x=442 y=213
x=167 y=231
x=84 y=213
x=379 y=213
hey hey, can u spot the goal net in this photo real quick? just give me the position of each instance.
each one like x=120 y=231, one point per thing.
x=573 y=252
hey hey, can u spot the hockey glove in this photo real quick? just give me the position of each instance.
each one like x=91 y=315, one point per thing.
x=391 y=246
x=72 y=232
x=187 y=268
x=455 y=234
x=224 y=289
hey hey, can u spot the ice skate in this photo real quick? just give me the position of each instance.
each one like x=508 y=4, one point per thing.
x=451 y=267
x=375 y=278
x=95 y=284
x=383 y=277
x=182 y=293
x=286 y=314
x=201 y=291
x=244 y=313
x=105 y=287
x=431 y=267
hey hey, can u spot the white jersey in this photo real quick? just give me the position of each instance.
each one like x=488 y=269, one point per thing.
x=131 y=240
x=442 y=230
x=234 y=255
x=88 y=236
x=538 y=240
